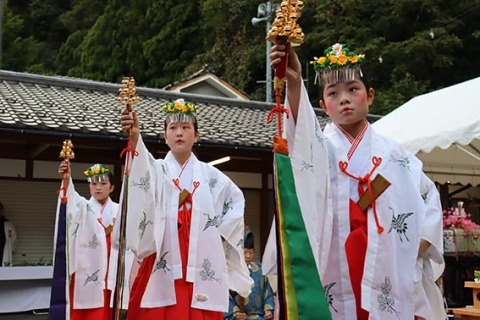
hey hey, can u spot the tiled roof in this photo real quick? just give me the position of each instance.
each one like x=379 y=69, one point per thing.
x=62 y=104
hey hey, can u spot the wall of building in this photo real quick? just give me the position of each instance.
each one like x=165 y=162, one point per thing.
x=31 y=205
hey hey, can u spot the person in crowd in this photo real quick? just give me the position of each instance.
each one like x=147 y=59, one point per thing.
x=8 y=239
x=260 y=303
x=373 y=217
x=185 y=222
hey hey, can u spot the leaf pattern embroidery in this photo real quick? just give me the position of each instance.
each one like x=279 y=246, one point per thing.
x=227 y=207
x=93 y=243
x=386 y=302
x=92 y=278
x=162 y=264
x=320 y=138
x=75 y=232
x=211 y=222
x=306 y=166
x=89 y=209
x=143 y=224
x=329 y=296
x=212 y=184
x=402 y=161
x=425 y=195
x=208 y=274
x=399 y=224
x=144 y=182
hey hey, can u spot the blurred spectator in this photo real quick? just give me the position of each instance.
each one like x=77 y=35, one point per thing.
x=8 y=237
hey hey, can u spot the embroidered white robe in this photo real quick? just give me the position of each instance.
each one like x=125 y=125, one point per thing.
x=88 y=247
x=215 y=258
x=396 y=283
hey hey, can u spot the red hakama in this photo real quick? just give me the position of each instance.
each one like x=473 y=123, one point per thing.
x=182 y=310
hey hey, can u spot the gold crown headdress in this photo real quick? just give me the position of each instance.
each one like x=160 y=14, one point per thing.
x=179 y=111
x=97 y=173
x=338 y=64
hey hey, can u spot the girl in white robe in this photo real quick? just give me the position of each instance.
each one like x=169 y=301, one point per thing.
x=378 y=261
x=90 y=223
x=185 y=220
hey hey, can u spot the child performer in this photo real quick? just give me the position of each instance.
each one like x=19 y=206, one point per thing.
x=185 y=220
x=90 y=225
x=379 y=262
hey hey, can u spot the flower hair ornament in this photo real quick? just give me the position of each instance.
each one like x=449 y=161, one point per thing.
x=179 y=111
x=97 y=173
x=339 y=64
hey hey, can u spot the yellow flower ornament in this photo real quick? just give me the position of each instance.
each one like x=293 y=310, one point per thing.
x=179 y=111
x=97 y=173
x=338 y=64
x=337 y=56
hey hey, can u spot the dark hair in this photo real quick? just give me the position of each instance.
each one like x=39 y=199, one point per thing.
x=110 y=177
x=364 y=79
x=195 y=123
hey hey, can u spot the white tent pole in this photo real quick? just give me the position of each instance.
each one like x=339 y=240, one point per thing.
x=466 y=151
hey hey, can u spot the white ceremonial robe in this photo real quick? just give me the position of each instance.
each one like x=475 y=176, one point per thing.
x=10 y=240
x=396 y=284
x=215 y=258
x=88 y=247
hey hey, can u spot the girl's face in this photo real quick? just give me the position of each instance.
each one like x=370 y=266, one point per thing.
x=347 y=104
x=180 y=137
x=101 y=190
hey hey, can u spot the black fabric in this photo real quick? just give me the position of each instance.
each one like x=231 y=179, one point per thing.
x=3 y=238
x=248 y=242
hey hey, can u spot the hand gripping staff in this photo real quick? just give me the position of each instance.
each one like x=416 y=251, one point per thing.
x=59 y=296
x=300 y=294
x=127 y=96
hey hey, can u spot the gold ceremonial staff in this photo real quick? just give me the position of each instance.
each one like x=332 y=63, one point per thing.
x=285 y=30
x=66 y=154
x=127 y=96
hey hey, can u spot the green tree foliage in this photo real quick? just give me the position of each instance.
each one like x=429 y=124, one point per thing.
x=15 y=55
x=233 y=46
x=412 y=47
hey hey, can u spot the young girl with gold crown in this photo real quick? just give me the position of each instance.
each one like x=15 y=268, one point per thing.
x=185 y=220
x=373 y=217
x=91 y=222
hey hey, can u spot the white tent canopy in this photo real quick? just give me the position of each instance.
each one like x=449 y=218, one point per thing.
x=443 y=129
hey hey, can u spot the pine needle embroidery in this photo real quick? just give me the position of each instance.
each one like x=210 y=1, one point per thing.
x=386 y=302
x=399 y=224
x=162 y=264
x=208 y=274
x=93 y=278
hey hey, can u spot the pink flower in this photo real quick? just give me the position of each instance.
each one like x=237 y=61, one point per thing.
x=453 y=219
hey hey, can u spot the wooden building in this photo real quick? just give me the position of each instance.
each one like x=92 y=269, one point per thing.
x=37 y=113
